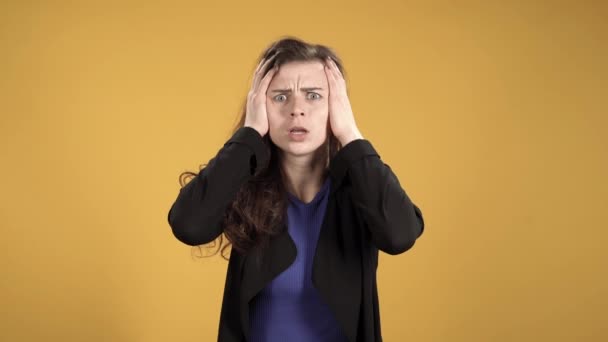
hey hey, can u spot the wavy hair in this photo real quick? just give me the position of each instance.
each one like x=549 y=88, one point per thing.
x=260 y=206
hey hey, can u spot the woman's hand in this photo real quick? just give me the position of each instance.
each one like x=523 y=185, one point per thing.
x=341 y=118
x=256 y=115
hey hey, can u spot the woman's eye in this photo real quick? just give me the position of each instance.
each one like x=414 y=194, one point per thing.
x=318 y=96
x=282 y=97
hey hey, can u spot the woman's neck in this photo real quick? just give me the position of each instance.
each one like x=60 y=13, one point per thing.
x=304 y=176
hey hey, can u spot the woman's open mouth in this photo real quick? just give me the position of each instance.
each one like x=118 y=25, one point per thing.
x=298 y=134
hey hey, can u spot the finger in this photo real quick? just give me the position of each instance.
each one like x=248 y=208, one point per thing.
x=338 y=80
x=256 y=71
x=334 y=67
x=263 y=60
x=258 y=66
x=258 y=74
x=331 y=79
x=337 y=69
x=263 y=87
x=328 y=62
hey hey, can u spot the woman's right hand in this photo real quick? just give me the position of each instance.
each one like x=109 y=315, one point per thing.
x=256 y=115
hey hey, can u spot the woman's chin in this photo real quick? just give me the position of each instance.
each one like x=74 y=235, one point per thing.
x=299 y=148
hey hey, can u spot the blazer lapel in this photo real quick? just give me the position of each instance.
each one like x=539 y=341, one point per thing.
x=261 y=267
x=336 y=271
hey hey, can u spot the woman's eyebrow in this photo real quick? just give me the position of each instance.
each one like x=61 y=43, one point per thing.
x=289 y=90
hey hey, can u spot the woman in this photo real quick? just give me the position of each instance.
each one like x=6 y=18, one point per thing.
x=306 y=203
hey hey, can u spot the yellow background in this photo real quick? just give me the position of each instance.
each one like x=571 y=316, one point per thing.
x=492 y=114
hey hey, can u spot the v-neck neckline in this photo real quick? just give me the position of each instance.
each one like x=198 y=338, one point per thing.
x=315 y=199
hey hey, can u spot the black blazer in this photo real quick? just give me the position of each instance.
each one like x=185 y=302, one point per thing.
x=367 y=211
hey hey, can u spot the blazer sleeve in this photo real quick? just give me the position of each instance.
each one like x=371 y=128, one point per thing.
x=197 y=213
x=393 y=220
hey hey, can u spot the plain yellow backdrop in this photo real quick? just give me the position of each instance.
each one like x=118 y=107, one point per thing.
x=492 y=114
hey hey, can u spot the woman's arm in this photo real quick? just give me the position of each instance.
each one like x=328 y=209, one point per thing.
x=393 y=220
x=196 y=215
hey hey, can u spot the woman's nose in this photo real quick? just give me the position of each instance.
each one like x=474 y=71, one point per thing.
x=297 y=107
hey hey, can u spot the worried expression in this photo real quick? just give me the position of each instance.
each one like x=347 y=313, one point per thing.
x=297 y=97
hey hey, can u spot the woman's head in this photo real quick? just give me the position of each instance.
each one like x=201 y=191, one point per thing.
x=293 y=97
x=297 y=96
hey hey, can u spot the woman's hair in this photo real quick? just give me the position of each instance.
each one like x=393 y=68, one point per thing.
x=260 y=206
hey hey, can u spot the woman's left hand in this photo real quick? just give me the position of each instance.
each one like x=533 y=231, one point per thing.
x=341 y=118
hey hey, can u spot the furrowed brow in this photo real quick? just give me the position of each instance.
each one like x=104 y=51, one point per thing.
x=289 y=90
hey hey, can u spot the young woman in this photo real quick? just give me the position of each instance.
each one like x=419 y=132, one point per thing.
x=306 y=203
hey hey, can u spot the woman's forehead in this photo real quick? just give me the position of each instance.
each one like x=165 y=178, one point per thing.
x=299 y=72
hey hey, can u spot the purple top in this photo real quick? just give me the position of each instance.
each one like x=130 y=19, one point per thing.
x=289 y=308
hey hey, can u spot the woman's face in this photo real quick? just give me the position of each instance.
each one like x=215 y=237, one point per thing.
x=297 y=96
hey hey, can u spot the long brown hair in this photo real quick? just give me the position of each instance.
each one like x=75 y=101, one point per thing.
x=260 y=206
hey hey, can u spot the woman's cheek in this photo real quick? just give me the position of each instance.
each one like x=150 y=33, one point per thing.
x=325 y=105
